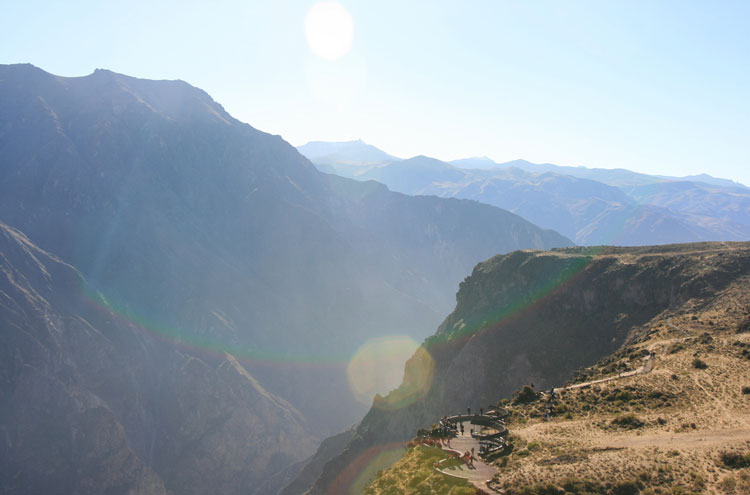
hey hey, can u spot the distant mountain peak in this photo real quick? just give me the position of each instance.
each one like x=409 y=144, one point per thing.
x=355 y=152
x=481 y=159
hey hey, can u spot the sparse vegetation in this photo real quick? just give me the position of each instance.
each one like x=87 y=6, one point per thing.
x=675 y=348
x=650 y=434
x=414 y=474
x=573 y=486
x=728 y=484
x=686 y=405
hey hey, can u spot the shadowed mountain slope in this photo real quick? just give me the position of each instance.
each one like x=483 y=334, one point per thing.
x=535 y=317
x=91 y=403
x=213 y=235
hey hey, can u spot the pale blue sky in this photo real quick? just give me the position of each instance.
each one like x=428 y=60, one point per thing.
x=654 y=86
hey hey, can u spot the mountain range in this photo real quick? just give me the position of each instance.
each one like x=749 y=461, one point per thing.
x=590 y=206
x=183 y=292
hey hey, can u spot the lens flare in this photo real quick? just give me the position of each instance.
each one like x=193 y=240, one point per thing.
x=417 y=381
x=360 y=472
x=378 y=366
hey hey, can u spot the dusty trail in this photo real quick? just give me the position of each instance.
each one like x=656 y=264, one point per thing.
x=708 y=438
x=647 y=367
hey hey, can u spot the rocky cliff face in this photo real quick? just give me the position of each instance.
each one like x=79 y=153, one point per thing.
x=91 y=403
x=535 y=317
x=212 y=230
x=224 y=244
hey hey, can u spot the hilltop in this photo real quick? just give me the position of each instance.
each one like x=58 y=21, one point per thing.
x=685 y=423
x=679 y=421
x=545 y=318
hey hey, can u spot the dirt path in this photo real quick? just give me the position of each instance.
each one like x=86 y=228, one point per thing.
x=648 y=365
x=708 y=438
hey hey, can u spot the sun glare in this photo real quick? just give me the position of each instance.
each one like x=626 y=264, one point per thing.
x=378 y=366
x=329 y=29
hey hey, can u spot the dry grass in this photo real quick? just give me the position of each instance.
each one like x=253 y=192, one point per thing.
x=664 y=429
x=414 y=474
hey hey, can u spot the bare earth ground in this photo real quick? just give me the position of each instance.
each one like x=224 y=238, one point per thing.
x=689 y=415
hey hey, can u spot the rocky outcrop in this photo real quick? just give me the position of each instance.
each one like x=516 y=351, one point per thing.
x=535 y=317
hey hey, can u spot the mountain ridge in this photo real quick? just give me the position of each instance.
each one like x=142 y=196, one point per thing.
x=484 y=162
x=590 y=206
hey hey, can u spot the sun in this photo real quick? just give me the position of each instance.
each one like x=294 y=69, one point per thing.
x=329 y=29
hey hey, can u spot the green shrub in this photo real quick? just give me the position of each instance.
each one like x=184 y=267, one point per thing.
x=624 y=396
x=735 y=460
x=526 y=396
x=626 y=488
x=630 y=421
x=746 y=390
x=699 y=364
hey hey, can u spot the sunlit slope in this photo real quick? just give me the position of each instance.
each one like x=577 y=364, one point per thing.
x=666 y=413
x=536 y=317
x=682 y=422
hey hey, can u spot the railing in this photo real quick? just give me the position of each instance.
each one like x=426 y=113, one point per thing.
x=492 y=419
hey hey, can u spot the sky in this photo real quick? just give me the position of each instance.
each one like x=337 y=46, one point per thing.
x=660 y=87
